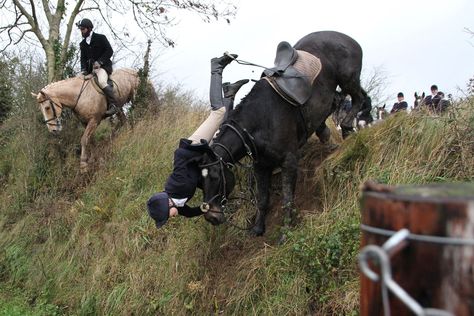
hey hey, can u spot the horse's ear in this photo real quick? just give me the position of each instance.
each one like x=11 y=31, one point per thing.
x=423 y=95
x=416 y=95
x=34 y=95
x=383 y=107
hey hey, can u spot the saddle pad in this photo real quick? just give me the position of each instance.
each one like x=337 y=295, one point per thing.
x=308 y=65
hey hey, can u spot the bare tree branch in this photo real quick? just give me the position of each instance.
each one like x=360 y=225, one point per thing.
x=26 y=22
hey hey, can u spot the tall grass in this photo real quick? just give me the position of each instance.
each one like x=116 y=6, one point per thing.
x=70 y=245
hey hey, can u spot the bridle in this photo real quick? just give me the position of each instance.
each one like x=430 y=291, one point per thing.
x=248 y=142
x=53 y=107
x=59 y=105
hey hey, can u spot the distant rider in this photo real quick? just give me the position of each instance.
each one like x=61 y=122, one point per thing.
x=95 y=58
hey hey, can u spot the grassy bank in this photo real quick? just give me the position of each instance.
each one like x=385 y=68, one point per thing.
x=84 y=245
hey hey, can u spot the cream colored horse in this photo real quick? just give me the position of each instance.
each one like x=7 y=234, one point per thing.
x=85 y=101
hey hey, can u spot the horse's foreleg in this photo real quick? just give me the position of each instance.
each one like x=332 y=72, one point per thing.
x=289 y=175
x=263 y=176
x=85 y=140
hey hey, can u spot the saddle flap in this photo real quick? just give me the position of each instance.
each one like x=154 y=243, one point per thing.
x=295 y=86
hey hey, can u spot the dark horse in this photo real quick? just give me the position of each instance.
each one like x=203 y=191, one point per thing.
x=271 y=130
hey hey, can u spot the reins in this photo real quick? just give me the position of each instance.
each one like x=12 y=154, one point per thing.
x=245 y=63
x=83 y=87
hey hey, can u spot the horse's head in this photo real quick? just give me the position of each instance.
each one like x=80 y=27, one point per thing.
x=381 y=113
x=418 y=99
x=218 y=183
x=51 y=110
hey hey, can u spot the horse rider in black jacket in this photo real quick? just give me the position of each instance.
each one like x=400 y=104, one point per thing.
x=95 y=58
x=401 y=105
x=186 y=177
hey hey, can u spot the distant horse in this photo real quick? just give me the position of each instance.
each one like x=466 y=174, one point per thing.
x=381 y=113
x=419 y=98
x=85 y=101
x=435 y=105
x=266 y=127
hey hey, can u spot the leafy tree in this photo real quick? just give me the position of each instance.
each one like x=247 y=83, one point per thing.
x=51 y=23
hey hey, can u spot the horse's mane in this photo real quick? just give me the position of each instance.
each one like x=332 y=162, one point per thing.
x=52 y=84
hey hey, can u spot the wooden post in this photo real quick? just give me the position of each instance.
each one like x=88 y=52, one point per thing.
x=435 y=275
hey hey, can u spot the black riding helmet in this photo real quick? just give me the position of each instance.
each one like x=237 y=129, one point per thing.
x=85 y=23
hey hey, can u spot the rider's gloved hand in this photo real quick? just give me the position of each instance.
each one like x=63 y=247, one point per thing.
x=96 y=65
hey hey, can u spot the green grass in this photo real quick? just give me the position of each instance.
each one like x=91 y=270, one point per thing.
x=84 y=245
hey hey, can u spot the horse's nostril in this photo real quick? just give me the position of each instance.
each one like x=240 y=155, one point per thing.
x=213 y=219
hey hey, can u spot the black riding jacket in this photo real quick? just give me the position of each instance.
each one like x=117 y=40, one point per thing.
x=98 y=50
x=399 y=106
x=186 y=176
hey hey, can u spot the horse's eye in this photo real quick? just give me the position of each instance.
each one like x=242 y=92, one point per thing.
x=47 y=108
x=204 y=172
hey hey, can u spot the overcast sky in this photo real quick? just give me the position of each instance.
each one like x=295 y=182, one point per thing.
x=417 y=43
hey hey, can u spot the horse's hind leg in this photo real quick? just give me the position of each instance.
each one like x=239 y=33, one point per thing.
x=358 y=96
x=85 y=141
x=323 y=133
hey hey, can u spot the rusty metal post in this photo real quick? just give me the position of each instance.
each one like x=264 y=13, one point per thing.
x=436 y=272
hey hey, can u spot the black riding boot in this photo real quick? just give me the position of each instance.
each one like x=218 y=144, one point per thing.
x=112 y=107
x=215 y=91
x=230 y=90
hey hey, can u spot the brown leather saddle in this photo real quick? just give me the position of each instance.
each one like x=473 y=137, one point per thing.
x=287 y=81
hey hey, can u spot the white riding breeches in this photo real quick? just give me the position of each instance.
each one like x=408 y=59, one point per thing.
x=209 y=127
x=102 y=77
